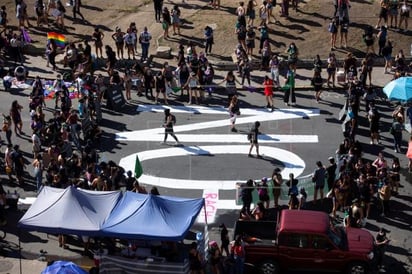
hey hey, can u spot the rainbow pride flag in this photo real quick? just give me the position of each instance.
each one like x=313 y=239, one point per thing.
x=58 y=38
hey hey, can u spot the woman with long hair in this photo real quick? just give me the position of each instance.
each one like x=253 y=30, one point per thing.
x=15 y=114
x=268 y=90
x=233 y=112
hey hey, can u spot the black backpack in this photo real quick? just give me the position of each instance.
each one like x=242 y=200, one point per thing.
x=173 y=119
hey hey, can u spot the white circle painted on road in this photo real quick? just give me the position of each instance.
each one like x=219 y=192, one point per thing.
x=292 y=164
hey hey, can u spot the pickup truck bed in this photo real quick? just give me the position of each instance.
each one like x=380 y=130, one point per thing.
x=258 y=229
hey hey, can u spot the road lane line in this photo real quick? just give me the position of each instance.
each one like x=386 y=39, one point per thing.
x=226 y=138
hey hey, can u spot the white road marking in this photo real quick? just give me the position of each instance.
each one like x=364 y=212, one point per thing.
x=273 y=116
x=226 y=138
x=292 y=162
x=205 y=110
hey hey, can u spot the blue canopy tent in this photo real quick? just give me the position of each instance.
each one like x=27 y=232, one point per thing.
x=69 y=211
x=151 y=217
x=111 y=213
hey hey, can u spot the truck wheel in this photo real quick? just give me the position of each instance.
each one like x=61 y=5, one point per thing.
x=269 y=267
x=356 y=268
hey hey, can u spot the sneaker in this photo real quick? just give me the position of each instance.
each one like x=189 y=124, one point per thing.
x=371 y=142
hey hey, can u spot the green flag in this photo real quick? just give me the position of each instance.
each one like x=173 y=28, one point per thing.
x=138 y=170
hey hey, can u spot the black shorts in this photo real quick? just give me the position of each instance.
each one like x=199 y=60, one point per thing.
x=331 y=70
x=383 y=13
x=319 y=186
x=264 y=197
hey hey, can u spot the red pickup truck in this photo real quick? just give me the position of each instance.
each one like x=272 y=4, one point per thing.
x=306 y=240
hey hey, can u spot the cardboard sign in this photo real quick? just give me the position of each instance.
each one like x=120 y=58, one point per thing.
x=115 y=99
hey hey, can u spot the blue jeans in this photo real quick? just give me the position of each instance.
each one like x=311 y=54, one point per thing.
x=145 y=50
x=38 y=176
x=397 y=140
x=239 y=265
x=7 y=84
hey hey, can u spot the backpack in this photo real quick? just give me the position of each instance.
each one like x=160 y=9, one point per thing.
x=249 y=136
x=173 y=119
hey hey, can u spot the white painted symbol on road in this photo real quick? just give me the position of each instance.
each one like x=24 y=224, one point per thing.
x=293 y=163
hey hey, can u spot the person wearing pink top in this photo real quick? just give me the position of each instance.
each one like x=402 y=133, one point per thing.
x=409 y=154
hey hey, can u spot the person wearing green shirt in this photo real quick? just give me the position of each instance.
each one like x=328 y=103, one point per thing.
x=289 y=87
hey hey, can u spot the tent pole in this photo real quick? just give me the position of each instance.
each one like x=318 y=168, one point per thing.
x=20 y=266
x=204 y=205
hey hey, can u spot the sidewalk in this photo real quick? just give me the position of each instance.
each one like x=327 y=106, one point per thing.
x=12 y=266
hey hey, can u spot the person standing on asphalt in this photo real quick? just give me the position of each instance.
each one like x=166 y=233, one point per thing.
x=233 y=112
x=333 y=30
x=224 y=238
x=318 y=178
x=264 y=35
x=331 y=173
x=38 y=171
x=169 y=121
x=274 y=69
x=383 y=14
x=158 y=9
x=277 y=181
x=160 y=87
x=167 y=21
x=344 y=28
x=144 y=40
x=175 y=14
x=6 y=127
x=238 y=251
x=396 y=131
x=382 y=37
x=385 y=193
x=208 y=39
x=381 y=242
x=290 y=87
x=76 y=9
x=15 y=114
x=374 y=118
x=317 y=83
x=18 y=164
x=387 y=55
x=8 y=161
x=331 y=69
x=404 y=12
x=253 y=138
x=268 y=91
x=98 y=42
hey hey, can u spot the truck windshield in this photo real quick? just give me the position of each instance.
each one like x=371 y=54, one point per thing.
x=335 y=235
